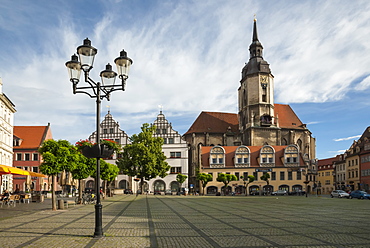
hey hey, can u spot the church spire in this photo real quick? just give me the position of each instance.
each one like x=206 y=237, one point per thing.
x=256 y=63
x=256 y=47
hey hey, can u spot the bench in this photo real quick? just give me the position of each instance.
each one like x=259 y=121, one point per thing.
x=66 y=203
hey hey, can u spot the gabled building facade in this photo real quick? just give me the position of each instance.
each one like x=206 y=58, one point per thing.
x=259 y=121
x=110 y=129
x=7 y=110
x=176 y=151
x=27 y=140
x=326 y=175
x=365 y=160
x=282 y=163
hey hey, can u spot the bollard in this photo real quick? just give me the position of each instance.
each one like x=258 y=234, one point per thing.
x=60 y=204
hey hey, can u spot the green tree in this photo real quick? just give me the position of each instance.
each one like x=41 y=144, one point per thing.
x=83 y=168
x=204 y=178
x=57 y=156
x=226 y=179
x=143 y=158
x=247 y=181
x=108 y=172
x=265 y=177
x=180 y=178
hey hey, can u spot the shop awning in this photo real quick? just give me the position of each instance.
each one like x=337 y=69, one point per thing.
x=13 y=170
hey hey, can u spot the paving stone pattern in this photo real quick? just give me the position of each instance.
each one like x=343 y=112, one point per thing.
x=192 y=221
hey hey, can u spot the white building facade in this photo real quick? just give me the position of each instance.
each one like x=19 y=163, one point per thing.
x=7 y=111
x=176 y=151
x=110 y=129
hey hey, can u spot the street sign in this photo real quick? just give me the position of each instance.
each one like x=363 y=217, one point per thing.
x=263 y=170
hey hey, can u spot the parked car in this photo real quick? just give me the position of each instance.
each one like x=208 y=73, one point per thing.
x=339 y=194
x=359 y=194
x=128 y=191
x=168 y=192
x=279 y=192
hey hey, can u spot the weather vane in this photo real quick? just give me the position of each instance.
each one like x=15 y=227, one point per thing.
x=160 y=106
x=108 y=108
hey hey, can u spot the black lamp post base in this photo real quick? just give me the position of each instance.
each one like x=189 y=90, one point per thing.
x=98 y=221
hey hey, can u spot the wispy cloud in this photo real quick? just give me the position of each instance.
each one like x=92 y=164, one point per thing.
x=348 y=138
x=188 y=56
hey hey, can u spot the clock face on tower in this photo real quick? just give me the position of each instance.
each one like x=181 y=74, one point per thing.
x=264 y=81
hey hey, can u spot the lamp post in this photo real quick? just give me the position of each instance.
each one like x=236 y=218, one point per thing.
x=84 y=61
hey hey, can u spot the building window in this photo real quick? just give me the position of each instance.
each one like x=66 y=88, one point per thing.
x=111 y=130
x=255 y=174
x=164 y=141
x=35 y=169
x=175 y=154
x=242 y=156
x=327 y=173
x=170 y=140
x=217 y=155
x=245 y=176
x=273 y=175
x=290 y=175
x=164 y=131
x=27 y=157
x=267 y=156
x=237 y=175
x=282 y=175
x=299 y=175
x=19 y=156
x=35 y=157
x=327 y=182
x=175 y=170
x=158 y=131
x=105 y=131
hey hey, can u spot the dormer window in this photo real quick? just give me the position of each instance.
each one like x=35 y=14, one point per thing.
x=242 y=155
x=267 y=156
x=217 y=157
x=291 y=155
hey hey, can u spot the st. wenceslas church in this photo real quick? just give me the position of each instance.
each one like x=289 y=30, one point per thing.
x=259 y=122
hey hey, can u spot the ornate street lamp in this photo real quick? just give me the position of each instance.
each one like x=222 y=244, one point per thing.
x=84 y=61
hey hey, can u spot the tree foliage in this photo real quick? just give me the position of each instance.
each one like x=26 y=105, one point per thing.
x=247 y=181
x=143 y=158
x=204 y=178
x=226 y=179
x=180 y=178
x=84 y=167
x=265 y=177
x=57 y=155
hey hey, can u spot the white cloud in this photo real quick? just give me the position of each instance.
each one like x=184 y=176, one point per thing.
x=188 y=56
x=348 y=138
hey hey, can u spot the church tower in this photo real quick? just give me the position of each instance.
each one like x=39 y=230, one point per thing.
x=256 y=93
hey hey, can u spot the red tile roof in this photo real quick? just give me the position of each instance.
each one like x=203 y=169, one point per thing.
x=286 y=116
x=32 y=136
x=218 y=122
x=327 y=161
x=214 y=122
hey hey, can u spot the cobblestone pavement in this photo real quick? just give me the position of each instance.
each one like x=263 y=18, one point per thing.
x=192 y=221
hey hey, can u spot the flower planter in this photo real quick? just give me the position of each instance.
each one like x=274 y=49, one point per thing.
x=97 y=152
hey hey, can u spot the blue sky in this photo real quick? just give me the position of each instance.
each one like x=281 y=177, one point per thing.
x=188 y=57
